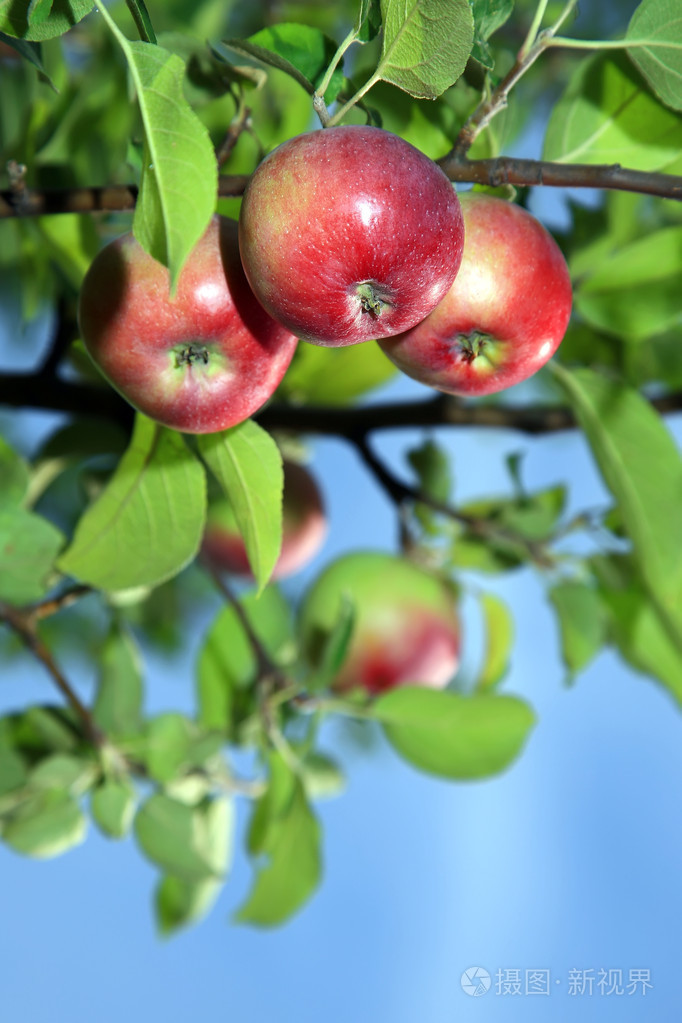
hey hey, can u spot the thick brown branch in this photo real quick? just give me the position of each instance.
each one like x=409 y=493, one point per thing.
x=505 y=170
x=24 y=390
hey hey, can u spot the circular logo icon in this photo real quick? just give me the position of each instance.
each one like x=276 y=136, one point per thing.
x=475 y=981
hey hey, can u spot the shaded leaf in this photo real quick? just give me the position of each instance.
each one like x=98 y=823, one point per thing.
x=14 y=476
x=14 y=18
x=335 y=376
x=180 y=903
x=29 y=545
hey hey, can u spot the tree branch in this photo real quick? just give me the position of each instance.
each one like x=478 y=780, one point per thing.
x=505 y=170
x=26 y=390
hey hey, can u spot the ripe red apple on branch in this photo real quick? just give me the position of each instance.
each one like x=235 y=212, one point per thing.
x=200 y=361
x=304 y=528
x=406 y=628
x=504 y=316
x=349 y=234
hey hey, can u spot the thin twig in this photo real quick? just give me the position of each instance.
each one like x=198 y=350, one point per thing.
x=23 y=624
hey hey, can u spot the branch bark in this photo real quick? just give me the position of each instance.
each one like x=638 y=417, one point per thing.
x=505 y=170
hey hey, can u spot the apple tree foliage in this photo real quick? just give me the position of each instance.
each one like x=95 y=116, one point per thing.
x=158 y=116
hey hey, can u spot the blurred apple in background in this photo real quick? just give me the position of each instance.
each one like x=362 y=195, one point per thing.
x=504 y=316
x=304 y=528
x=406 y=627
x=200 y=361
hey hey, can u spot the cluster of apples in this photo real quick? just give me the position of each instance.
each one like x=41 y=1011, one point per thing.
x=346 y=235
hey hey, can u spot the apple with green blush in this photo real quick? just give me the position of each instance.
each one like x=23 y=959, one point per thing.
x=199 y=361
x=506 y=313
x=406 y=627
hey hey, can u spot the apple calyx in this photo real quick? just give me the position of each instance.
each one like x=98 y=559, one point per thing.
x=190 y=353
x=471 y=346
x=373 y=298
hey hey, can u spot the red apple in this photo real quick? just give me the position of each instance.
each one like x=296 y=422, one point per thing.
x=406 y=627
x=505 y=315
x=200 y=361
x=304 y=528
x=348 y=234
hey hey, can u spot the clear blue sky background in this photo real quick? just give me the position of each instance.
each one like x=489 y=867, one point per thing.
x=568 y=861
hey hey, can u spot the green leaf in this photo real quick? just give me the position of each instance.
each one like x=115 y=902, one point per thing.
x=64 y=771
x=433 y=469
x=582 y=623
x=641 y=467
x=489 y=15
x=332 y=649
x=635 y=292
x=179 y=178
x=46 y=825
x=335 y=376
x=248 y=464
x=13 y=772
x=192 y=843
x=634 y=625
x=368 y=22
x=301 y=51
x=39 y=11
x=290 y=838
x=14 y=18
x=654 y=44
x=29 y=546
x=426 y=44
x=499 y=631
x=605 y=116
x=179 y=903
x=451 y=735
x=148 y=522
x=113 y=807
x=168 y=743
x=227 y=663
x=14 y=476
x=321 y=776
x=118 y=701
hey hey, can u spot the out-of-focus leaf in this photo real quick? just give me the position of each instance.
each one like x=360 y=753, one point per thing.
x=14 y=476
x=192 y=843
x=14 y=18
x=335 y=376
x=499 y=632
x=180 y=903
x=582 y=623
x=118 y=700
x=45 y=825
x=113 y=807
x=454 y=736
x=29 y=545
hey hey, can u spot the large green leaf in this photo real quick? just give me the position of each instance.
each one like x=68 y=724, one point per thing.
x=248 y=464
x=642 y=468
x=606 y=116
x=29 y=546
x=64 y=14
x=289 y=835
x=180 y=175
x=654 y=39
x=148 y=522
x=118 y=700
x=635 y=292
x=452 y=735
x=426 y=44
